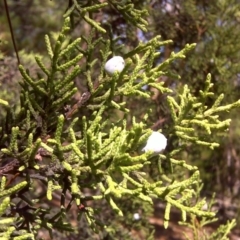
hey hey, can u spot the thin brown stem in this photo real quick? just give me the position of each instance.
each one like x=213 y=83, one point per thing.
x=11 y=30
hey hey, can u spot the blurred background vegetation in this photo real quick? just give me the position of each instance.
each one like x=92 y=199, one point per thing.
x=213 y=25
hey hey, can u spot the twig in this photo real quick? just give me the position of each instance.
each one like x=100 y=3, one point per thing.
x=9 y=166
x=11 y=30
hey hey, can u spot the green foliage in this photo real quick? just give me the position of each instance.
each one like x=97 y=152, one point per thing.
x=79 y=153
x=197 y=225
x=7 y=223
x=192 y=113
x=214 y=26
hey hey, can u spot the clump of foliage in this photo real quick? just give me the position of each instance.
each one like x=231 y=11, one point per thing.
x=84 y=154
x=214 y=26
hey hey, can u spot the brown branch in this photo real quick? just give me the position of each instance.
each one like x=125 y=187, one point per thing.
x=9 y=166
x=84 y=98
x=11 y=30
